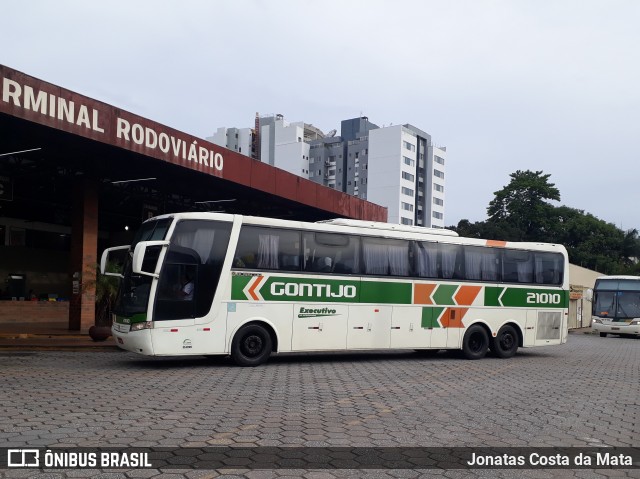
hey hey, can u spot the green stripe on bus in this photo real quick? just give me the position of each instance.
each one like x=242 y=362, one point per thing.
x=324 y=290
x=385 y=293
x=525 y=298
x=430 y=317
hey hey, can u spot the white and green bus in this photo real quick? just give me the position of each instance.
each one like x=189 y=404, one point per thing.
x=219 y=284
x=616 y=306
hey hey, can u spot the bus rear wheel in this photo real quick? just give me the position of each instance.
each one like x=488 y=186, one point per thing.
x=505 y=344
x=251 y=346
x=475 y=343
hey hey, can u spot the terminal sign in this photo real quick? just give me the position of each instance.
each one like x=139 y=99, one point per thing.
x=39 y=101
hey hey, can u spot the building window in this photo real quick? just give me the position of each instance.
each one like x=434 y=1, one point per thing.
x=437 y=159
x=438 y=187
x=409 y=146
x=438 y=201
x=438 y=215
x=408 y=161
x=438 y=174
x=406 y=221
x=407 y=191
x=407 y=206
x=408 y=176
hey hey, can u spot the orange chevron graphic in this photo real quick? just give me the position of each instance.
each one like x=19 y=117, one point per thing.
x=422 y=293
x=452 y=317
x=253 y=288
x=466 y=295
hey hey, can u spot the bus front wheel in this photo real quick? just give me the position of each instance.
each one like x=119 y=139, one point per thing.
x=475 y=343
x=603 y=335
x=251 y=346
x=505 y=344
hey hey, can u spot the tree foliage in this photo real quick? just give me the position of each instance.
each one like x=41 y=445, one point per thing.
x=521 y=212
x=522 y=204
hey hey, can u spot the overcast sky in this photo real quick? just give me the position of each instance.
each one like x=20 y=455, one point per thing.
x=504 y=85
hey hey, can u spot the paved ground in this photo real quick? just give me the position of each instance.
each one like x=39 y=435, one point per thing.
x=584 y=393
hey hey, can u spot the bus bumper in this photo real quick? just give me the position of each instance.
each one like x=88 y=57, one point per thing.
x=631 y=329
x=136 y=341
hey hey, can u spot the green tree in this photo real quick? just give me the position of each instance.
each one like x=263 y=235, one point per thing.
x=520 y=212
x=522 y=208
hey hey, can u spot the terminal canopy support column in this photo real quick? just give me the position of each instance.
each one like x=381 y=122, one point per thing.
x=84 y=255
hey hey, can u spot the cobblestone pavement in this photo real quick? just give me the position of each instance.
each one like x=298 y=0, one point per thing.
x=583 y=393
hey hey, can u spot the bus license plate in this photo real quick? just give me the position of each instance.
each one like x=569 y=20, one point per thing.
x=615 y=329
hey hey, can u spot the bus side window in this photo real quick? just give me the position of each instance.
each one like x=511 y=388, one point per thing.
x=268 y=249
x=481 y=263
x=450 y=261
x=517 y=266
x=386 y=257
x=549 y=268
x=425 y=259
x=331 y=253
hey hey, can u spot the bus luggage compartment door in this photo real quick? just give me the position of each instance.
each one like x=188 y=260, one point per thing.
x=369 y=327
x=318 y=327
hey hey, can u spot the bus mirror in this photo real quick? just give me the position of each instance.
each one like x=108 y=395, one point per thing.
x=105 y=259
x=588 y=294
x=145 y=257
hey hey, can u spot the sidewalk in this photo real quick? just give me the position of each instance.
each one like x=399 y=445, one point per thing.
x=50 y=336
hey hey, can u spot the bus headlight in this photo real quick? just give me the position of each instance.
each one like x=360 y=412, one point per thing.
x=635 y=322
x=141 y=326
x=597 y=321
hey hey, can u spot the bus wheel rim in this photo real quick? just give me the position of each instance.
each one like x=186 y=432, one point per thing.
x=476 y=342
x=252 y=345
x=507 y=341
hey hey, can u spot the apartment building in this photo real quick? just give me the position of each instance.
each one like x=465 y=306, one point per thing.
x=396 y=166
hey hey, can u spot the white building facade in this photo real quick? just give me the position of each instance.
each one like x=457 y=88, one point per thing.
x=282 y=145
x=406 y=174
x=236 y=139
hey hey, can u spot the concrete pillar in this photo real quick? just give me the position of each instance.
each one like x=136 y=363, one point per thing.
x=84 y=254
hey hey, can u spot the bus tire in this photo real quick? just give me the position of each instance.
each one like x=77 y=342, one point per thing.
x=603 y=335
x=505 y=344
x=251 y=346
x=475 y=343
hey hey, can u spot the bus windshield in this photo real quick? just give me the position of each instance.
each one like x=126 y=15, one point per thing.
x=191 y=270
x=617 y=300
x=133 y=295
x=189 y=274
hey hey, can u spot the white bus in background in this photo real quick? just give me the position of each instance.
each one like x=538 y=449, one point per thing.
x=616 y=306
x=259 y=286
